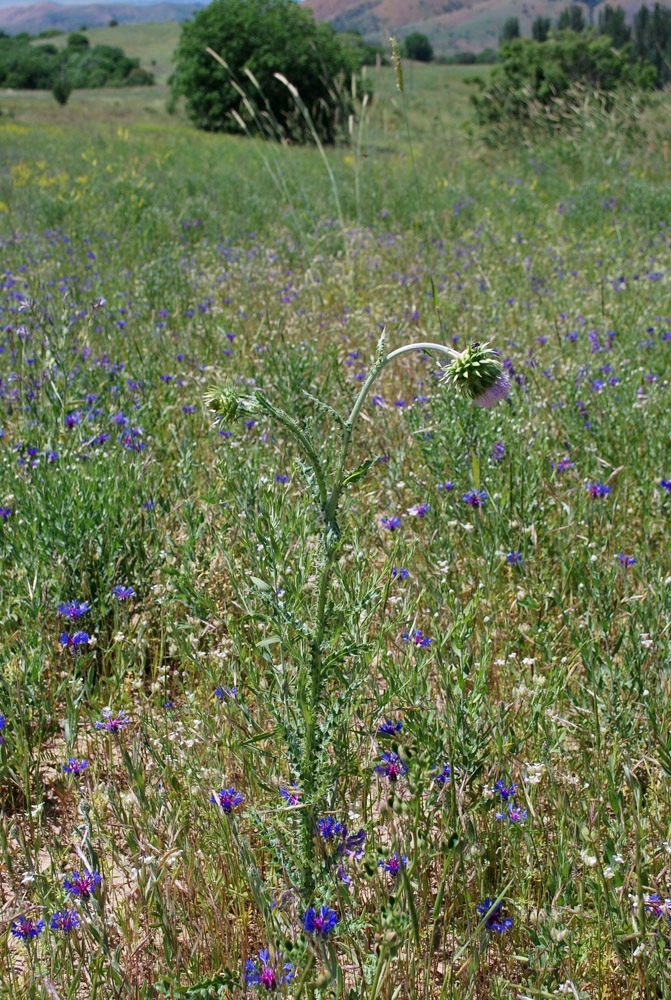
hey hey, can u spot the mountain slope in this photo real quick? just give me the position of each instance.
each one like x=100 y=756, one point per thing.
x=45 y=16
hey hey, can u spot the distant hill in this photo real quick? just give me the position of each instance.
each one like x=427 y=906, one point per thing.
x=38 y=17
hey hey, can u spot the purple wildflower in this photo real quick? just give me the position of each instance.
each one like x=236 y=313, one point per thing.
x=352 y=845
x=494 y=922
x=515 y=558
x=419 y=510
x=391 y=523
x=3 y=723
x=6 y=511
x=227 y=798
x=562 y=465
x=113 y=724
x=319 y=923
x=25 y=927
x=417 y=638
x=222 y=692
x=281 y=479
x=64 y=920
x=292 y=795
x=625 y=560
x=498 y=453
x=75 y=766
x=73 y=641
x=265 y=974
x=329 y=828
x=597 y=489
x=475 y=498
x=391 y=766
x=496 y=392
x=73 y=609
x=515 y=814
x=664 y=483
x=505 y=791
x=388 y=727
x=123 y=593
x=444 y=776
x=398 y=571
x=82 y=885
x=393 y=864
x=449 y=485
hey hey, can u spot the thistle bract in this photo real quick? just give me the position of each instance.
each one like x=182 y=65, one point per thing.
x=478 y=374
x=228 y=402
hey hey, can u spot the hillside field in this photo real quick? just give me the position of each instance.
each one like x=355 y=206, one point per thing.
x=412 y=744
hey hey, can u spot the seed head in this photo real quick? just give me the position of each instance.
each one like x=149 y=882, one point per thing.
x=478 y=373
x=227 y=402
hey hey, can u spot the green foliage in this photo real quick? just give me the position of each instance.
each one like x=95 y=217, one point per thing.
x=651 y=39
x=534 y=76
x=62 y=88
x=27 y=67
x=510 y=30
x=571 y=19
x=256 y=40
x=612 y=23
x=540 y=28
x=417 y=46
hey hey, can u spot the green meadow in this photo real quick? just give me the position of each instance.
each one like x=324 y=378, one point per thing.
x=425 y=754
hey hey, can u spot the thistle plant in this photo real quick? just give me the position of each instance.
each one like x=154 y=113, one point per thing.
x=476 y=373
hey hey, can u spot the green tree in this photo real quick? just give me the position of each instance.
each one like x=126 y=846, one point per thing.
x=78 y=42
x=510 y=30
x=540 y=29
x=257 y=39
x=571 y=19
x=417 y=46
x=612 y=23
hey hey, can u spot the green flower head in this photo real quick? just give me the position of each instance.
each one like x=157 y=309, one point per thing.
x=226 y=401
x=478 y=374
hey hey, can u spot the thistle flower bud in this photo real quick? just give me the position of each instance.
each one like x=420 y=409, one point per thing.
x=477 y=372
x=227 y=402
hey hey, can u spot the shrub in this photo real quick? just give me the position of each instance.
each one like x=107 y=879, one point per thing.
x=510 y=30
x=257 y=39
x=417 y=46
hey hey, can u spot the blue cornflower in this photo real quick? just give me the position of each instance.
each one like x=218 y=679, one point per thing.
x=113 y=724
x=664 y=483
x=388 y=727
x=3 y=724
x=420 y=509
x=393 y=864
x=352 y=844
x=73 y=609
x=64 y=920
x=73 y=641
x=494 y=921
x=417 y=638
x=475 y=498
x=266 y=974
x=562 y=465
x=281 y=479
x=391 y=523
x=123 y=593
x=292 y=795
x=444 y=777
x=75 y=766
x=320 y=923
x=625 y=560
x=597 y=489
x=515 y=814
x=25 y=927
x=498 y=453
x=329 y=828
x=515 y=558
x=449 y=485
x=391 y=766
x=227 y=798
x=400 y=572
x=222 y=692
x=82 y=885
x=6 y=511
x=505 y=791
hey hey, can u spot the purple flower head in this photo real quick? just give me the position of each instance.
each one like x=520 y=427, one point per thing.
x=417 y=638
x=625 y=560
x=64 y=920
x=82 y=885
x=292 y=795
x=389 y=728
x=328 y=828
x=222 y=692
x=391 y=766
x=73 y=641
x=123 y=593
x=444 y=777
x=321 y=922
x=3 y=723
x=505 y=791
x=391 y=523
x=281 y=479
x=664 y=483
x=25 y=927
x=494 y=921
x=75 y=766
x=72 y=419
x=515 y=814
x=393 y=864
x=73 y=609
x=448 y=486
x=562 y=465
x=515 y=558
x=475 y=498
x=113 y=724
x=498 y=453
x=6 y=511
x=597 y=489
x=419 y=510
x=343 y=875
x=265 y=974
x=398 y=571
x=227 y=798
x=352 y=845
